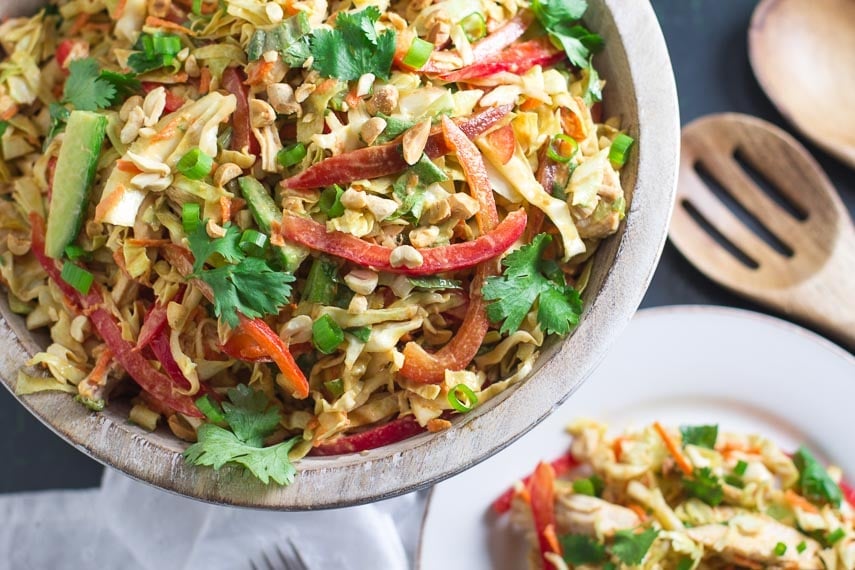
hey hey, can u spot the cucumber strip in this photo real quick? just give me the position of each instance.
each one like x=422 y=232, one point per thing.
x=265 y=212
x=73 y=178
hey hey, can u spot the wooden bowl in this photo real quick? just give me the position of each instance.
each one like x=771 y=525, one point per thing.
x=641 y=91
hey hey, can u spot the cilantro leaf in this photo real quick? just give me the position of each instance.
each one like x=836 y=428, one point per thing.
x=85 y=89
x=251 y=417
x=580 y=549
x=529 y=278
x=250 y=287
x=354 y=47
x=245 y=285
x=814 y=481
x=204 y=247
x=705 y=486
x=702 y=436
x=553 y=12
x=559 y=18
x=125 y=84
x=593 y=89
x=631 y=547
x=289 y=38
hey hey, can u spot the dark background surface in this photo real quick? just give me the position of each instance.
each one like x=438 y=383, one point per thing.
x=707 y=40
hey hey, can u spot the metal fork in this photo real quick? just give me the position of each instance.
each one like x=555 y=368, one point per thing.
x=280 y=557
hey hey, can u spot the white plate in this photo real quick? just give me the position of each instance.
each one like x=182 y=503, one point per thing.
x=742 y=370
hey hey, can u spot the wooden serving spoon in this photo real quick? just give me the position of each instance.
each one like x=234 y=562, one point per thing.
x=810 y=273
x=802 y=54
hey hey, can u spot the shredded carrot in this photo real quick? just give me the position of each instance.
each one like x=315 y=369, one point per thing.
x=9 y=113
x=552 y=538
x=257 y=71
x=797 y=500
x=102 y=365
x=674 y=449
x=352 y=99
x=638 y=510
x=530 y=104
x=204 y=80
x=167 y=131
x=524 y=494
x=78 y=24
x=572 y=124
x=127 y=166
x=617 y=448
x=120 y=9
x=226 y=208
x=154 y=22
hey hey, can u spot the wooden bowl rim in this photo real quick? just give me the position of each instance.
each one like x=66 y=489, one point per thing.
x=332 y=482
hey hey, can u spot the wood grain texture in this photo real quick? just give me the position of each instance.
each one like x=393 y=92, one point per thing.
x=801 y=53
x=816 y=281
x=641 y=91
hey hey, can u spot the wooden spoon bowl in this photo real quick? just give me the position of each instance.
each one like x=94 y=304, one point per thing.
x=802 y=53
x=805 y=266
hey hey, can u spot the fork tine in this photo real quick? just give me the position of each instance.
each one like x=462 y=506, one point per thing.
x=292 y=558
x=269 y=562
x=297 y=555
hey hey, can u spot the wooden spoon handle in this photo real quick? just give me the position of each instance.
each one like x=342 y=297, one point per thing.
x=826 y=300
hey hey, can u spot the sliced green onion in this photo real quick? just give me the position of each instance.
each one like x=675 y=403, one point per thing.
x=330 y=202
x=620 y=147
x=474 y=26
x=584 y=487
x=197 y=7
x=418 y=54
x=195 y=165
x=802 y=546
x=75 y=252
x=165 y=44
x=253 y=242
x=292 y=155
x=780 y=549
x=335 y=387
x=454 y=398
x=734 y=481
x=190 y=217
x=553 y=151
x=740 y=468
x=211 y=409
x=835 y=536
x=362 y=334
x=77 y=277
x=326 y=334
x=3 y=126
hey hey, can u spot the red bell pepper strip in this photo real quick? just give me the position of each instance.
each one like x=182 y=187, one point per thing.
x=848 y=492
x=173 y=102
x=155 y=320
x=502 y=37
x=265 y=338
x=155 y=383
x=517 y=58
x=270 y=343
x=242 y=346
x=419 y=365
x=454 y=257
x=242 y=137
x=383 y=160
x=560 y=466
x=386 y=434
x=162 y=351
x=542 y=491
x=489 y=46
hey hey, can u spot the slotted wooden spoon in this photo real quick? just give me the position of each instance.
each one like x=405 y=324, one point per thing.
x=813 y=278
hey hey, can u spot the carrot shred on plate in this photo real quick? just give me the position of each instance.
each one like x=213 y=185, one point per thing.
x=673 y=449
x=797 y=500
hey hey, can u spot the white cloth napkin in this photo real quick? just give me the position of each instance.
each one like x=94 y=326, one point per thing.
x=129 y=525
